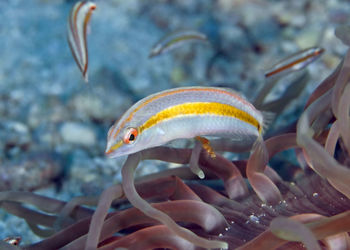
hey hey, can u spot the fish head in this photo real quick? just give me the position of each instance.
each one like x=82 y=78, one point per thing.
x=156 y=50
x=124 y=140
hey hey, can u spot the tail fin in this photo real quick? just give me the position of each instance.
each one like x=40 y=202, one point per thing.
x=268 y=118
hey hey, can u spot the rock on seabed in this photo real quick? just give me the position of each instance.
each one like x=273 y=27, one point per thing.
x=77 y=133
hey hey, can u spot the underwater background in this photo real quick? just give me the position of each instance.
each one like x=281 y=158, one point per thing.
x=53 y=126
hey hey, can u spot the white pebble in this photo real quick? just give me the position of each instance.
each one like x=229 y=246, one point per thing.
x=76 y=133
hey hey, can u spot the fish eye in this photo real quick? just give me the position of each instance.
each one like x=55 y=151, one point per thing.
x=130 y=135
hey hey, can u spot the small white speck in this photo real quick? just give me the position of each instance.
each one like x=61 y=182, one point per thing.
x=227 y=228
x=253 y=218
x=283 y=202
x=220 y=235
x=315 y=194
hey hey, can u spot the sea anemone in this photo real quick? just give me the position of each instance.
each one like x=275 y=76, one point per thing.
x=312 y=211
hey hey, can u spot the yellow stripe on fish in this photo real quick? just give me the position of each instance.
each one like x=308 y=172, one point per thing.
x=184 y=113
x=200 y=108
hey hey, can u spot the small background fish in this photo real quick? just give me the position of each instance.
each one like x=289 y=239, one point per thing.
x=177 y=39
x=77 y=30
x=295 y=62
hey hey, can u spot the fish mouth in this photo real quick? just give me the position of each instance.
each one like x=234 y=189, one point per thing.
x=108 y=153
x=112 y=150
x=112 y=153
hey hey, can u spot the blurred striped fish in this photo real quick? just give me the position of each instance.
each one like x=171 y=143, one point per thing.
x=13 y=240
x=77 y=28
x=295 y=62
x=176 y=39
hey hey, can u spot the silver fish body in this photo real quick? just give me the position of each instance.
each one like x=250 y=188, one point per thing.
x=184 y=113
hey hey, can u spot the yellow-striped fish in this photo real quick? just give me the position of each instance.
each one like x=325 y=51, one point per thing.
x=295 y=62
x=78 y=21
x=176 y=39
x=184 y=113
